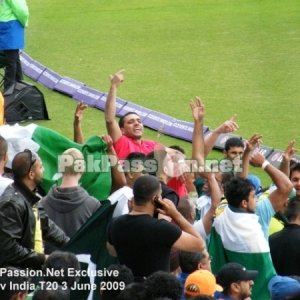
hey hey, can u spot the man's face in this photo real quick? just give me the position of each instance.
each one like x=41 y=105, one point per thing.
x=234 y=153
x=37 y=172
x=133 y=126
x=251 y=203
x=245 y=289
x=295 y=179
x=205 y=262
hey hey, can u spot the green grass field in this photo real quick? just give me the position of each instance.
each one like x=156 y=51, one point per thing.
x=242 y=57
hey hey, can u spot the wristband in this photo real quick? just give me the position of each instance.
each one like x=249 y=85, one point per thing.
x=264 y=164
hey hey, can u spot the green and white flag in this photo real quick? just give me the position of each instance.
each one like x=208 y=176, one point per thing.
x=49 y=144
x=238 y=237
x=89 y=245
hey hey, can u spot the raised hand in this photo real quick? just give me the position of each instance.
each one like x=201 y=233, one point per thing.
x=290 y=151
x=79 y=111
x=228 y=126
x=117 y=78
x=253 y=142
x=198 y=109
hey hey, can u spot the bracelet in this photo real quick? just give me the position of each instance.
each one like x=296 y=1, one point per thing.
x=264 y=164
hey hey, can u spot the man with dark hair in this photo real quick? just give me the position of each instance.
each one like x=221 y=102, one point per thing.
x=143 y=243
x=13 y=285
x=57 y=293
x=234 y=147
x=285 y=244
x=236 y=282
x=190 y=262
x=22 y=227
x=127 y=135
x=242 y=228
x=133 y=167
x=62 y=262
x=119 y=277
x=295 y=177
x=162 y=284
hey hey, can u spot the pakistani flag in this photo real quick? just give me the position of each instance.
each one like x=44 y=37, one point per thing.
x=50 y=144
x=238 y=237
x=89 y=245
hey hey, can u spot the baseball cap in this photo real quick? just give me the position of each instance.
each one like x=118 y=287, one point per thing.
x=201 y=282
x=234 y=272
x=282 y=287
x=255 y=182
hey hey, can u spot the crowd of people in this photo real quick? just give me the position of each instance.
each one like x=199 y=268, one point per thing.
x=182 y=228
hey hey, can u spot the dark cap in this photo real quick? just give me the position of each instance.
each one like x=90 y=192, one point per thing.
x=234 y=272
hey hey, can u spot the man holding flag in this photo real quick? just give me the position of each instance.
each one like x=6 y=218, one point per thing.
x=237 y=234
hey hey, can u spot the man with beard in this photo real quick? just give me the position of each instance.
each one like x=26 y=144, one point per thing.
x=22 y=226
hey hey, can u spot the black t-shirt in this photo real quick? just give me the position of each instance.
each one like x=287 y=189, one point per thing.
x=285 y=250
x=169 y=193
x=143 y=243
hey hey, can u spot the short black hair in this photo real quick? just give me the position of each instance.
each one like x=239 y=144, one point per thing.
x=233 y=142
x=162 y=284
x=125 y=276
x=132 y=159
x=135 y=290
x=122 y=119
x=144 y=188
x=61 y=260
x=189 y=261
x=57 y=293
x=294 y=167
x=236 y=190
x=6 y=292
x=293 y=208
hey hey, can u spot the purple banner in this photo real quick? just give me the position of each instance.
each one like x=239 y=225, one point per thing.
x=49 y=78
x=87 y=95
x=68 y=86
x=30 y=67
x=131 y=107
x=158 y=121
x=182 y=129
x=100 y=104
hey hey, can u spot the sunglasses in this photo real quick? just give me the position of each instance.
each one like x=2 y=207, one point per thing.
x=32 y=158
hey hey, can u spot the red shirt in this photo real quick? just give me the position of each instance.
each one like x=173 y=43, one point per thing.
x=126 y=145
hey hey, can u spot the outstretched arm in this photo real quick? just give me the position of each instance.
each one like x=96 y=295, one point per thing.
x=118 y=177
x=251 y=145
x=198 y=112
x=278 y=197
x=216 y=195
x=78 y=135
x=112 y=126
x=226 y=127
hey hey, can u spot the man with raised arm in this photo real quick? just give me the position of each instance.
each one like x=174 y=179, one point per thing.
x=127 y=135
